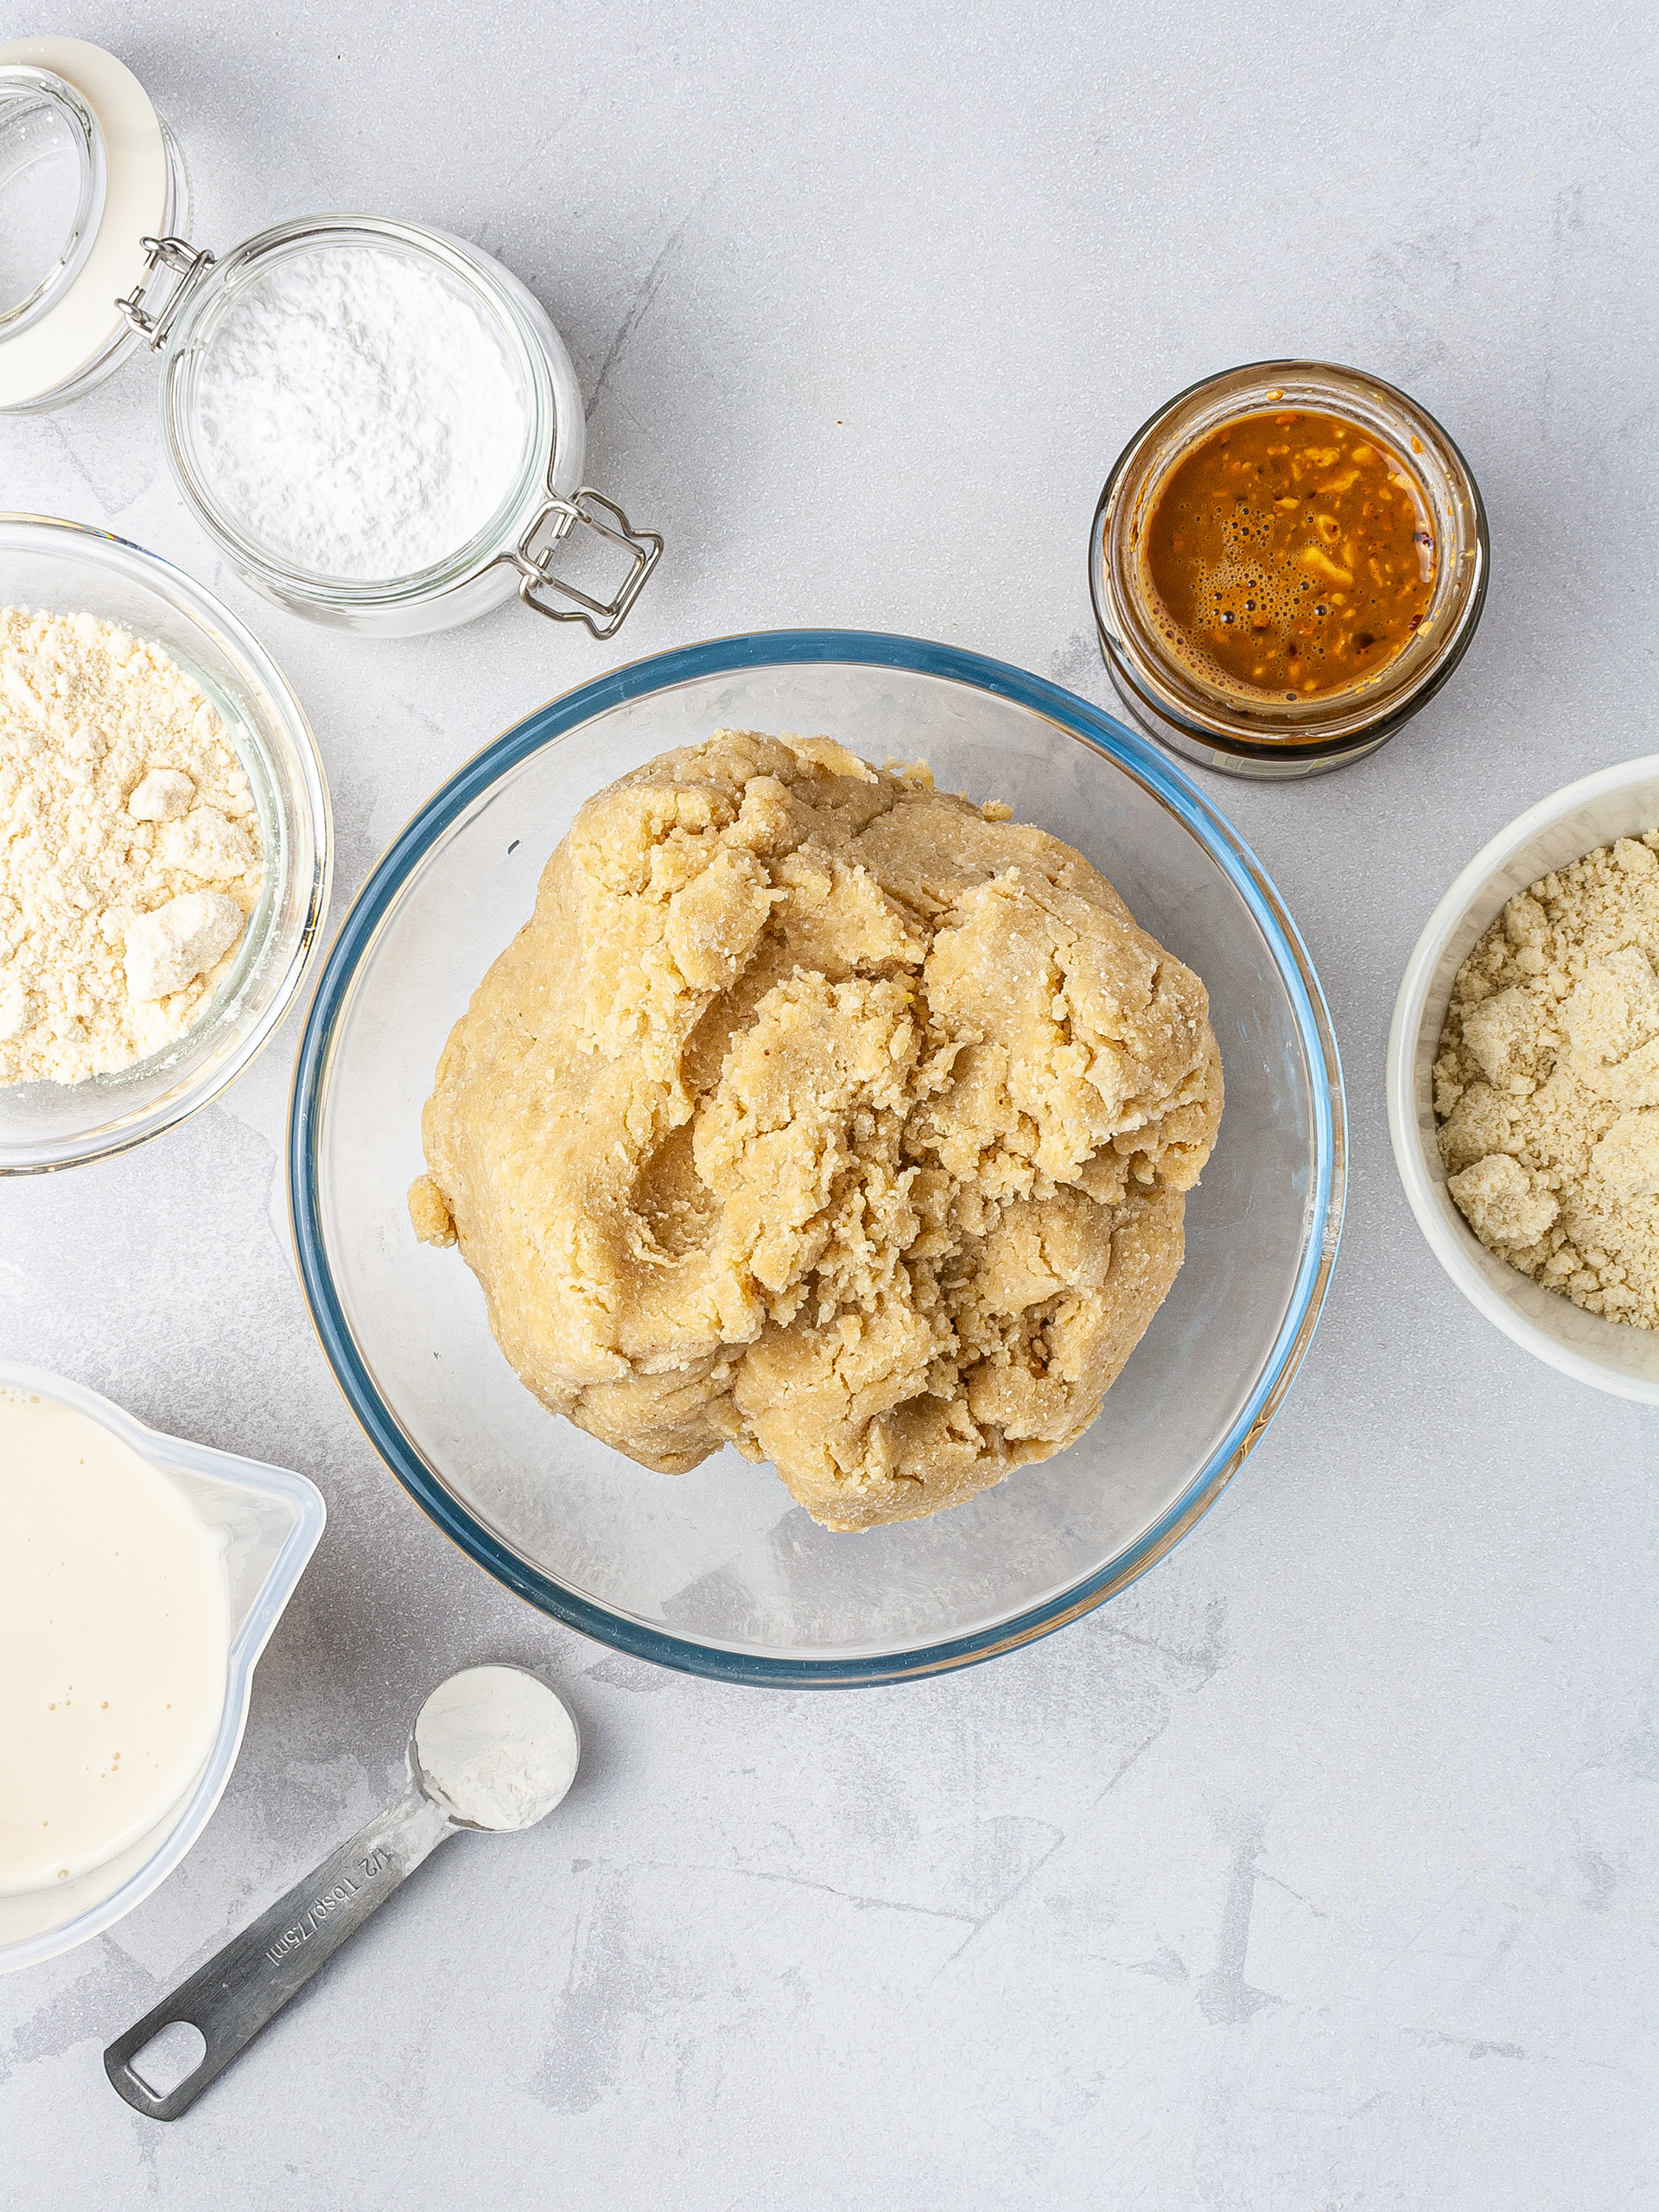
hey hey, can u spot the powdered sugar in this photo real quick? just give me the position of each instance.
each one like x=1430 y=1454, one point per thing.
x=496 y=1747
x=357 y=415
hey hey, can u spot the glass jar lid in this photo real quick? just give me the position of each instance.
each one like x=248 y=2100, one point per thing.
x=85 y=174
x=53 y=180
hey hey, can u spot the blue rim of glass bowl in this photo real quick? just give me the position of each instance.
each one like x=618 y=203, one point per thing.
x=1139 y=758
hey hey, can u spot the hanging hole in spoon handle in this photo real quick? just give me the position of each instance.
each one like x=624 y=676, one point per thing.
x=247 y=1984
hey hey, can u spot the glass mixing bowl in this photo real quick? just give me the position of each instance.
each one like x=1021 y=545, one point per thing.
x=719 y=1571
x=66 y=569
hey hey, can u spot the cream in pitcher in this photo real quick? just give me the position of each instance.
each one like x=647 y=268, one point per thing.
x=114 y=1629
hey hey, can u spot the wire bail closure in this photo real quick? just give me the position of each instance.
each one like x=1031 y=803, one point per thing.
x=603 y=618
x=186 y=263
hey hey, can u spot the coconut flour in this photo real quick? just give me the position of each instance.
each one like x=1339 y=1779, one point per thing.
x=1547 y=1085
x=129 y=849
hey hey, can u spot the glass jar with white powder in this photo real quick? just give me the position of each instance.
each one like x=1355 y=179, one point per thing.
x=380 y=428
x=375 y=422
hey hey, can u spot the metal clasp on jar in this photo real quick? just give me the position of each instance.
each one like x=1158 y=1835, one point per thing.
x=556 y=518
x=188 y=263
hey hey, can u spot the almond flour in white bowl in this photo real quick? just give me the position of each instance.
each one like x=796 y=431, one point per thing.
x=1547 y=1082
x=1552 y=837
x=130 y=849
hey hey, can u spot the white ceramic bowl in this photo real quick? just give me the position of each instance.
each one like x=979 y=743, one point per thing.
x=272 y=1520
x=1621 y=801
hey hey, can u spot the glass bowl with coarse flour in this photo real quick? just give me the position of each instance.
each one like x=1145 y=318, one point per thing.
x=1615 y=802
x=66 y=569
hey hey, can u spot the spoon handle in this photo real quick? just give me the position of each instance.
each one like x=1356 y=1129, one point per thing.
x=247 y=1984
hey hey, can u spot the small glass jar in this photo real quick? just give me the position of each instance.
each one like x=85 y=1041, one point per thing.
x=1240 y=731
x=86 y=169
x=511 y=552
x=63 y=103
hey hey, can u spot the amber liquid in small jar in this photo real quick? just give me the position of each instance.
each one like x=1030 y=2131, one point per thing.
x=1292 y=553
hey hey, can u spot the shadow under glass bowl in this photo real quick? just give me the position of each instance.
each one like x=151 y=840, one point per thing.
x=65 y=568
x=718 y=1571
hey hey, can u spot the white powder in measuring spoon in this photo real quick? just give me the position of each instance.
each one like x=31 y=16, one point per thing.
x=357 y=415
x=496 y=1747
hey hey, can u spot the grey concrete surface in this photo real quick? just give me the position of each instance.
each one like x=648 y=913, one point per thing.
x=1316 y=1873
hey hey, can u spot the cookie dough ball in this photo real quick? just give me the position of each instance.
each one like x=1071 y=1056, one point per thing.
x=823 y=1114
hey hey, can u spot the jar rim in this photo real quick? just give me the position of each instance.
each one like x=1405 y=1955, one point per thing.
x=484 y=285
x=1360 y=715
x=21 y=83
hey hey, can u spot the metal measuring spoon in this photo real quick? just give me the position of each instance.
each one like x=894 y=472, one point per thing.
x=460 y=1775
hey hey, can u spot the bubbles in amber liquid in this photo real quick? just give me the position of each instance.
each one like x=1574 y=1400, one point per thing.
x=1291 y=554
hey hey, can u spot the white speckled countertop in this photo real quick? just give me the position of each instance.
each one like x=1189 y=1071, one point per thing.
x=1314 y=1874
